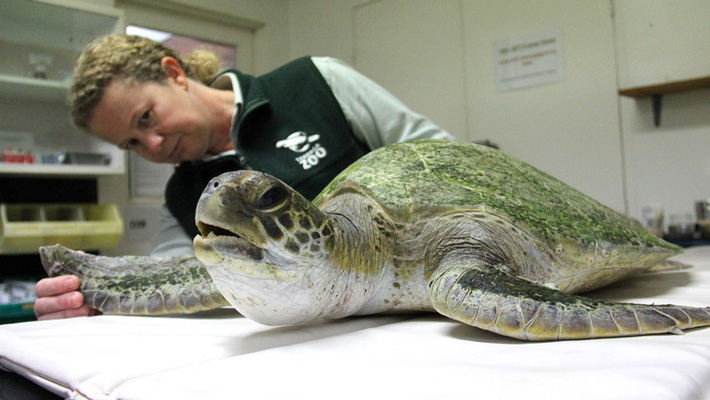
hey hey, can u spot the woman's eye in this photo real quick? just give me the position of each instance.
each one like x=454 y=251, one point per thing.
x=131 y=144
x=144 y=119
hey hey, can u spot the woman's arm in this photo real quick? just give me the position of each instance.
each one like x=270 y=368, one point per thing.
x=171 y=239
x=376 y=117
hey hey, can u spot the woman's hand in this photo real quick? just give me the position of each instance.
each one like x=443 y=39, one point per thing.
x=58 y=297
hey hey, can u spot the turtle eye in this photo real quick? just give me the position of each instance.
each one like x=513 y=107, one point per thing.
x=271 y=198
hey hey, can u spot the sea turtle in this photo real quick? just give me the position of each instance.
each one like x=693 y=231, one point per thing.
x=465 y=230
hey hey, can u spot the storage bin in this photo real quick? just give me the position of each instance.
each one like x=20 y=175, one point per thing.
x=25 y=227
x=17 y=296
x=17 y=312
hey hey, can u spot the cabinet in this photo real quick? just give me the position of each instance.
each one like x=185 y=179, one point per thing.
x=39 y=40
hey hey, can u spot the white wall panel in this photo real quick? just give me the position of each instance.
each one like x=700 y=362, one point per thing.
x=413 y=49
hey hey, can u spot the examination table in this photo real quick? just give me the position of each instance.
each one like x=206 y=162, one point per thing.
x=220 y=355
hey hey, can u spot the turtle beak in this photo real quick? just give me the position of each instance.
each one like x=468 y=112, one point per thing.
x=212 y=249
x=205 y=252
x=212 y=230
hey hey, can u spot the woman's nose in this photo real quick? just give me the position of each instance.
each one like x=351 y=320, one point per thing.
x=153 y=142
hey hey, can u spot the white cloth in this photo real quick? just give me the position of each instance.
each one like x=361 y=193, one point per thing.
x=219 y=355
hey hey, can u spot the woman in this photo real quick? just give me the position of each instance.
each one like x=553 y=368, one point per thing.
x=303 y=123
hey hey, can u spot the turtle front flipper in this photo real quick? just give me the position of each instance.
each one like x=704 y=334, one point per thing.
x=136 y=285
x=490 y=298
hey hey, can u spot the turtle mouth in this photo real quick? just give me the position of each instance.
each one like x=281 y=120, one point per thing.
x=227 y=242
x=207 y=230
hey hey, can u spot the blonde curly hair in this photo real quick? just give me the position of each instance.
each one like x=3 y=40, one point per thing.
x=129 y=57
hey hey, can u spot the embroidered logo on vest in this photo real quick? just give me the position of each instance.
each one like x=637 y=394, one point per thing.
x=300 y=142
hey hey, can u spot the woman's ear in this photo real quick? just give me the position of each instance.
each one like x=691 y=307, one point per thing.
x=173 y=71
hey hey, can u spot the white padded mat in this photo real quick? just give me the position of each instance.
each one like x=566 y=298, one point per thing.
x=217 y=355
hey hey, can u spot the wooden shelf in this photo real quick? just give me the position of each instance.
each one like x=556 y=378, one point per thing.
x=656 y=92
x=665 y=88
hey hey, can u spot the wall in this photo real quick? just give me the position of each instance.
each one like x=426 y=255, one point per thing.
x=427 y=76
x=663 y=41
x=321 y=28
x=580 y=129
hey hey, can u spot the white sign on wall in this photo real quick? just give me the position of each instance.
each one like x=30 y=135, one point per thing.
x=529 y=59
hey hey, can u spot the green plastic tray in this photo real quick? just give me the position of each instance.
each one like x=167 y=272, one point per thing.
x=17 y=312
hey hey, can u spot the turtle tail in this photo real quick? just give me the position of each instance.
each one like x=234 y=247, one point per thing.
x=136 y=285
x=489 y=298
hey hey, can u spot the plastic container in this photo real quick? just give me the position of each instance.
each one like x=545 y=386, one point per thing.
x=25 y=227
x=17 y=312
x=17 y=296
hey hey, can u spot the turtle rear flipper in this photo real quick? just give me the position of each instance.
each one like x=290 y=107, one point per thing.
x=487 y=297
x=135 y=285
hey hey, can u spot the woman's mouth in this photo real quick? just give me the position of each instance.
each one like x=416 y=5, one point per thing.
x=176 y=150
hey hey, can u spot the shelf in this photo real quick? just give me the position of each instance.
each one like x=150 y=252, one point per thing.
x=34 y=89
x=58 y=170
x=42 y=38
x=53 y=92
x=656 y=92
x=25 y=227
x=669 y=87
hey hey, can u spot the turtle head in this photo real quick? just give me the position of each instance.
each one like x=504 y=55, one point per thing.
x=265 y=246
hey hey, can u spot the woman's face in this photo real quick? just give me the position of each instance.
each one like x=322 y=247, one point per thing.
x=161 y=122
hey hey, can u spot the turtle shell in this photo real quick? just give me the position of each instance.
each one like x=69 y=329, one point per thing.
x=415 y=179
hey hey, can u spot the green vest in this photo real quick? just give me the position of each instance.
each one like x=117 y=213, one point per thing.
x=290 y=126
